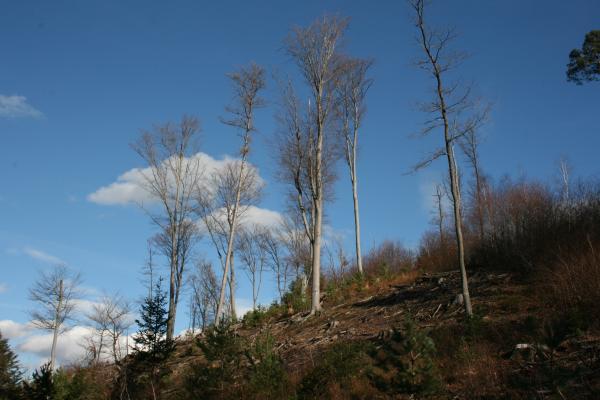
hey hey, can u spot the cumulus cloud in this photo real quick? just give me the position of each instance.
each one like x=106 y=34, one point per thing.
x=69 y=348
x=262 y=217
x=3 y=287
x=17 y=107
x=42 y=256
x=11 y=329
x=129 y=188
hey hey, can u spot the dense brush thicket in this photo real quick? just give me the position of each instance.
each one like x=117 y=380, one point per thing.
x=549 y=238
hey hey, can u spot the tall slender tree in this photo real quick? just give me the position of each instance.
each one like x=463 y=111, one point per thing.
x=353 y=87
x=173 y=173
x=450 y=109
x=248 y=82
x=315 y=49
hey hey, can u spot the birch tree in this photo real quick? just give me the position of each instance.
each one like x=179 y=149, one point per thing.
x=173 y=174
x=352 y=89
x=450 y=110
x=315 y=51
x=55 y=294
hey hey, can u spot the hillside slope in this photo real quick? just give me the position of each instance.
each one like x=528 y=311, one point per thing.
x=515 y=347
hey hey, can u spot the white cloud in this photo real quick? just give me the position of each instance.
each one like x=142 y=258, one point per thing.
x=16 y=107
x=3 y=287
x=262 y=217
x=11 y=329
x=129 y=187
x=69 y=347
x=42 y=256
x=84 y=307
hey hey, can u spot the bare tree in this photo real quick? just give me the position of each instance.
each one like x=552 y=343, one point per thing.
x=205 y=295
x=218 y=202
x=450 y=111
x=247 y=83
x=174 y=173
x=315 y=51
x=293 y=159
x=564 y=176
x=470 y=147
x=111 y=318
x=352 y=90
x=273 y=245
x=55 y=294
x=253 y=256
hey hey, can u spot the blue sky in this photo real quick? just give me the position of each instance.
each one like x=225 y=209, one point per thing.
x=90 y=76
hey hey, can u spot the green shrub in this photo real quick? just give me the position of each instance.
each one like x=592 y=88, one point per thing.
x=295 y=299
x=266 y=378
x=474 y=327
x=215 y=378
x=405 y=362
x=255 y=318
x=41 y=386
x=339 y=365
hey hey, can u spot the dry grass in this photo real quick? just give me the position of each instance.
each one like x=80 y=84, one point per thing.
x=574 y=284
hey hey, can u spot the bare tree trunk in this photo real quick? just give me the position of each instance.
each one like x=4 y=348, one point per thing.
x=172 y=304
x=352 y=90
x=56 y=325
x=316 y=260
x=432 y=45
x=232 y=289
x=356 y=217
x=248 y=82
x=458 y=227
x=440 y=206
x=229 y=253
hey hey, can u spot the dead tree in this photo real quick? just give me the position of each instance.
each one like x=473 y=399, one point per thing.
x=352 y=91
x=225 y=196
x=272 y=242
x=111 y=318
x=315 y=51
x=564 y=174
x=448 y=110
x=173 y=175
x=247 y=83
x=470 y=147
x=205 y=295
x=54 y=293
x=253 y=258
x=294 y=161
